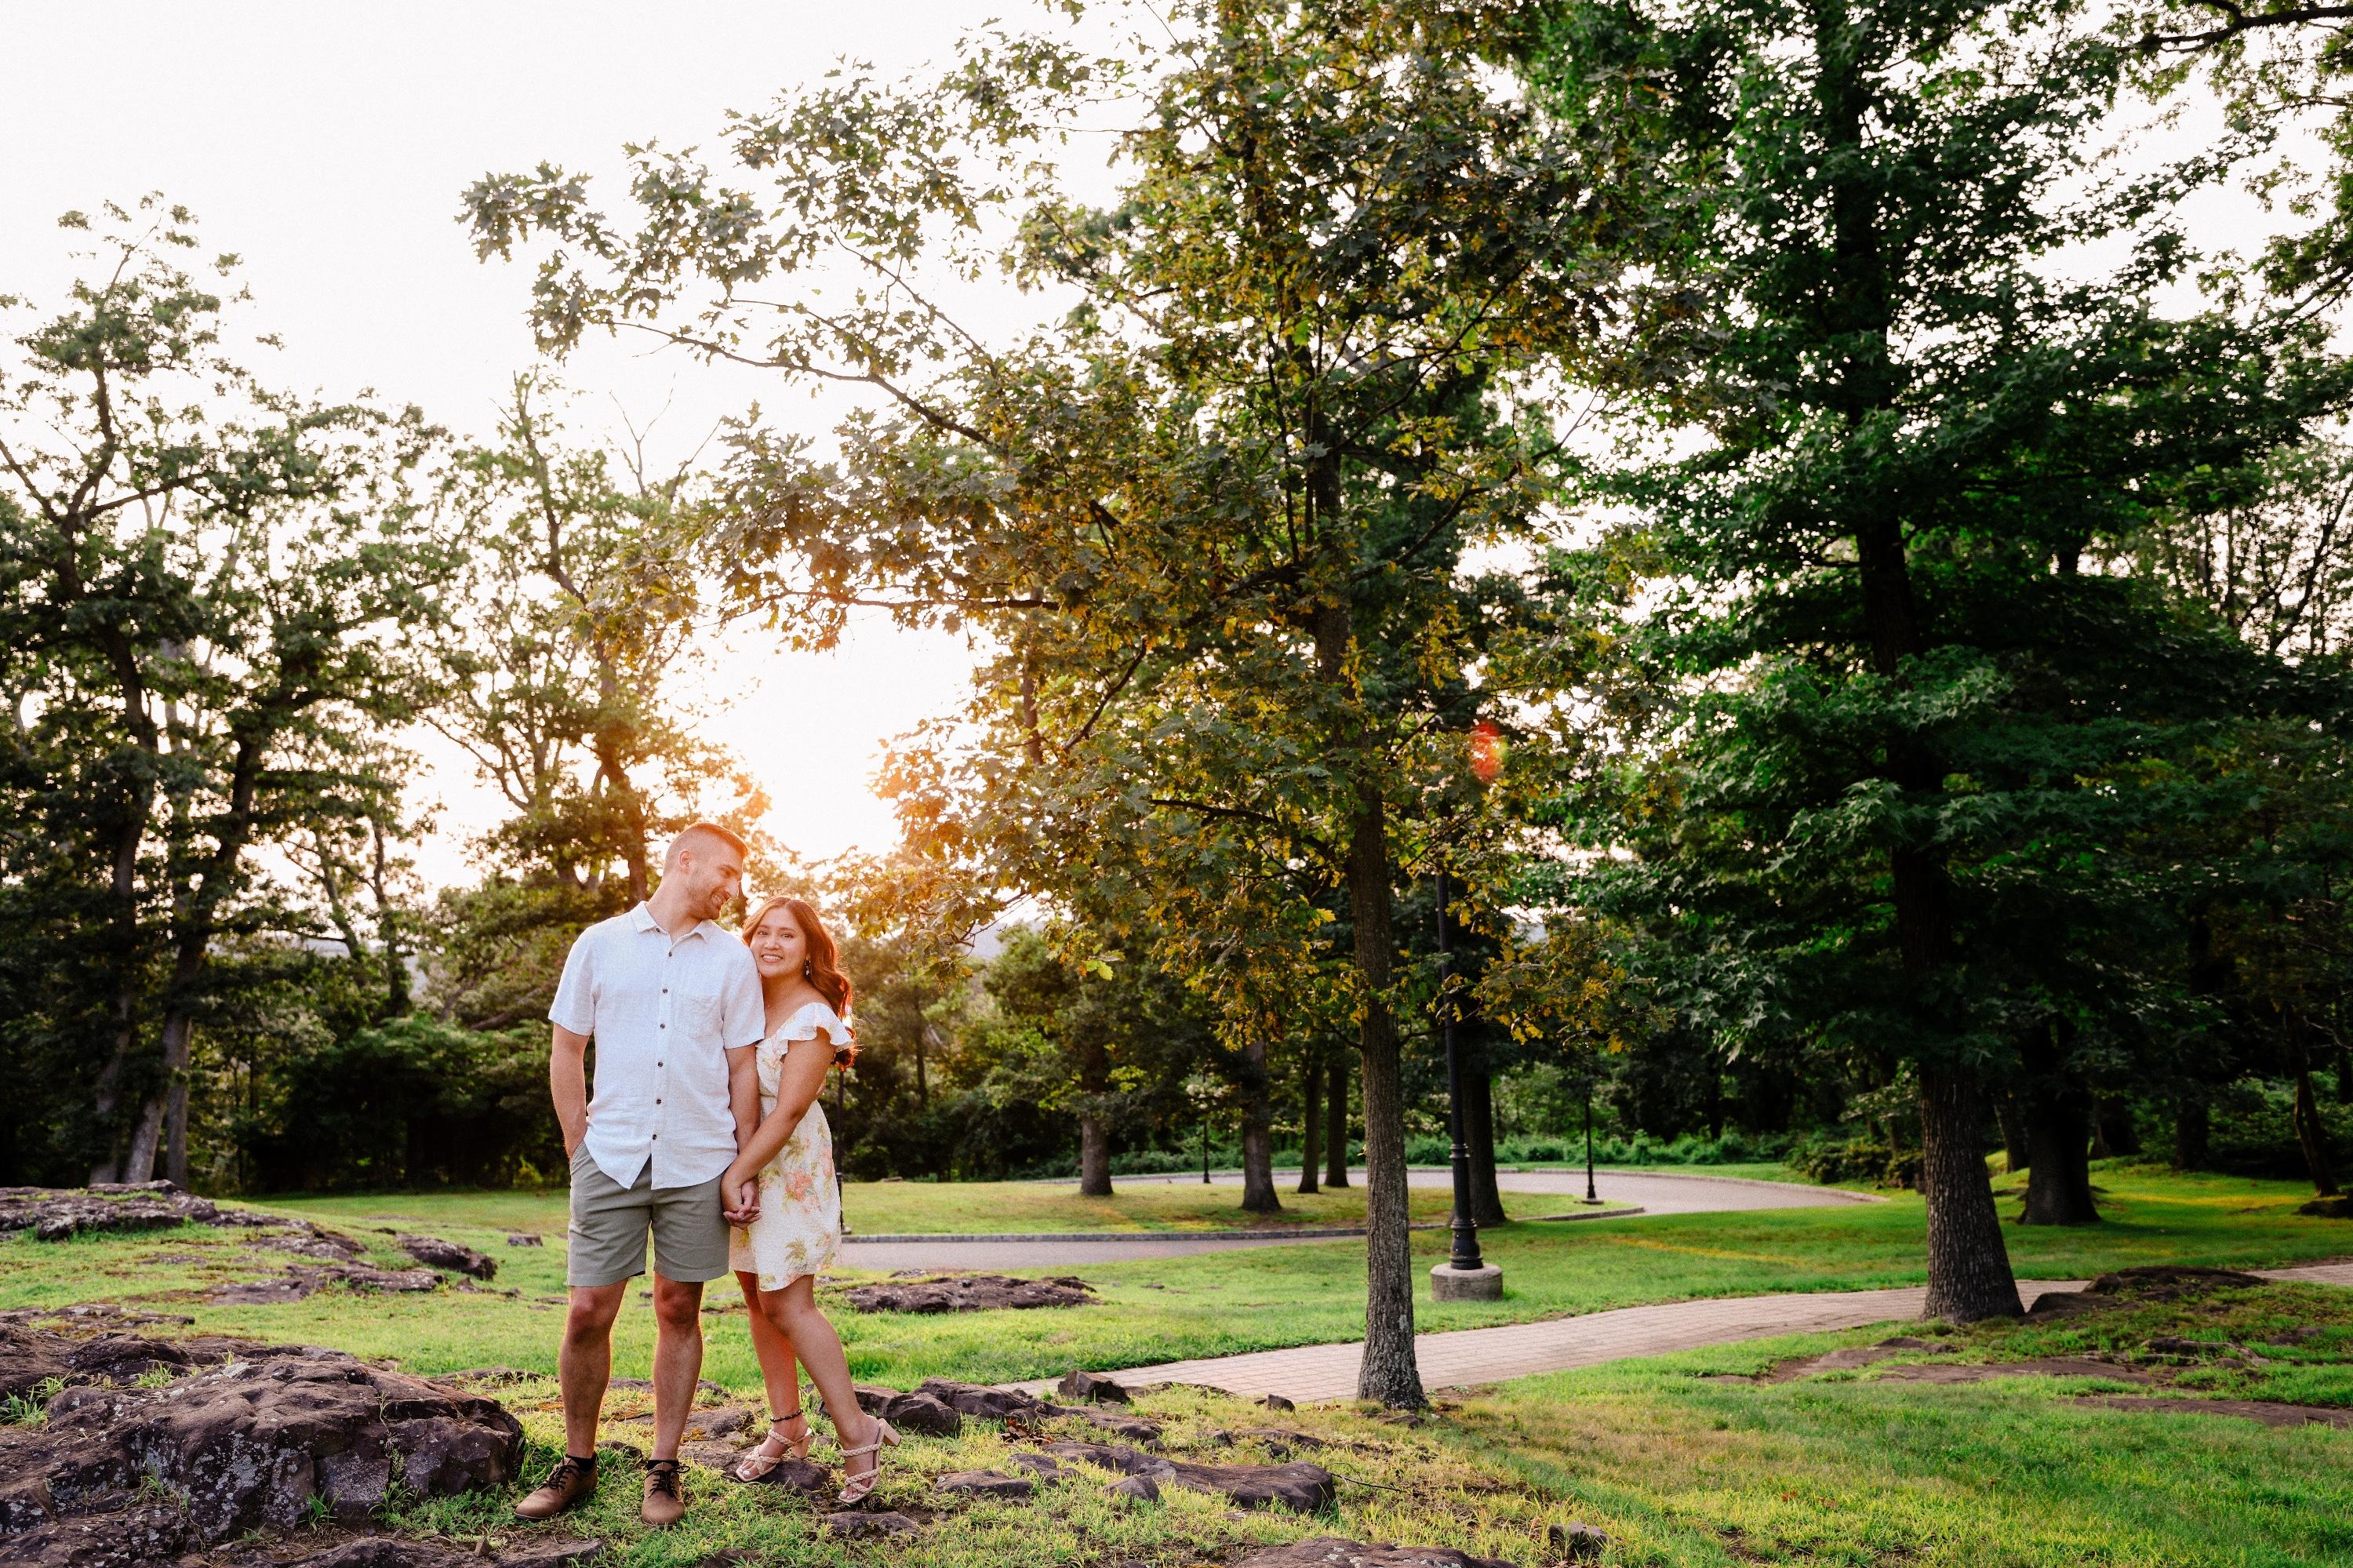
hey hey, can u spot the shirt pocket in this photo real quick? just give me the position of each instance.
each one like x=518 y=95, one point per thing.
x=696 y=1014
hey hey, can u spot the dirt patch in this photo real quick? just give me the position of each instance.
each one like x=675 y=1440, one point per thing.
x=2269 y=1412
x=2047 y=1366
x=969 y=1293
x=1853 y=1358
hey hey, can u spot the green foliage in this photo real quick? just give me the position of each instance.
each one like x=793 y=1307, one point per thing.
x=1914 y=784
x=413 y=1102
x=213 y=601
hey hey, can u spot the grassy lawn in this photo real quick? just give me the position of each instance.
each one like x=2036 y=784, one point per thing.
x=1840 y=1471
x=1163 y=1310
x=1850 y=1468
x=941 y=1208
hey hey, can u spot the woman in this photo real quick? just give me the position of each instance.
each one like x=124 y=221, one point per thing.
x=787 y=1173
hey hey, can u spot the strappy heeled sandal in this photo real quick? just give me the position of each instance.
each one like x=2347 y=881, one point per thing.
x=856 y=1490
x=755 y=1465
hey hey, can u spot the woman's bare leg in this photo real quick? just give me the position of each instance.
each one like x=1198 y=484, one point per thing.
x=779 y=1368
x=794 y=1312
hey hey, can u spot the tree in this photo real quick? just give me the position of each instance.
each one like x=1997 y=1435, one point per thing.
x=211 y=596
x=570 y=668
x=1895 y=730
x=1211 y=518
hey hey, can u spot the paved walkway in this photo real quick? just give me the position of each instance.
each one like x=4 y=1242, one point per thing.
x=1656 y=1193
x=1467 y=1357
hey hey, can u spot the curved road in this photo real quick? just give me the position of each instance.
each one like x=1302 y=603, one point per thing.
x=1657 y=1192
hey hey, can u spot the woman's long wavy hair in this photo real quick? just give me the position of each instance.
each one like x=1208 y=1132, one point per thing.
x=823 y=966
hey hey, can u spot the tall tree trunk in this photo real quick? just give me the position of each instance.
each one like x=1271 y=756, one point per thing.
x=1969 y=1268
x=396 y=998
x=1311 y=1118
x=124 y=945
x=2313 y=1135
x=2058 y=1138
x=179 y=1039
x=1258 y=1133
x=1391 y=1374
x=146 y=1138
x=1094 y=1157
x=1479 y=1133
x=1969 y=1276
x=2193 y=1132
x=1335 y=1118
x=2119 y=1134
x=1094 y=1123
x=2015 y=1156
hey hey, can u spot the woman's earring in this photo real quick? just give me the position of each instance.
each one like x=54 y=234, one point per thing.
x=807 y=968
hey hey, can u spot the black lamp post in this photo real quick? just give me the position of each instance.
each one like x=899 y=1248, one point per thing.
x=1589 y=1143
x=1464 y=1256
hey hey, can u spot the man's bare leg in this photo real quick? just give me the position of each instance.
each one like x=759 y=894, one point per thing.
x=585 y=1364
x=677 y=1359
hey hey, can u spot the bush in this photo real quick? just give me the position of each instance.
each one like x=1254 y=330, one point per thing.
x=1858 y=1159
x=411 y=1103
x=2250 y=1133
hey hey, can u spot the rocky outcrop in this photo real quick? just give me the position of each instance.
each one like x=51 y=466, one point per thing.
x=302 y=1281
x=985 y=1484
x=975 y=1400
x=1085 y=1385
x=30 y=1357
x=968 y=1293
x=1302 y=1488
x=2169 y=1282
x=54 y=1213
x=435 y=1252
x=922 y=1416
x=1327 y=1552
x=253 y=1444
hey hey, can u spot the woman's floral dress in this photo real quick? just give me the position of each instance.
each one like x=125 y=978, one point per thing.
x=799 y=1228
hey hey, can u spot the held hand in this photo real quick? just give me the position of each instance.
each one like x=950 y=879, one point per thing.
x=739 y=1195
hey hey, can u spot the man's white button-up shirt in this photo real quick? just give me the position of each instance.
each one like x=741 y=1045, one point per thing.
x=663 y=1015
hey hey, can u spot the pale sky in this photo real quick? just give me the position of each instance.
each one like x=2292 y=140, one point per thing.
x=328 y=144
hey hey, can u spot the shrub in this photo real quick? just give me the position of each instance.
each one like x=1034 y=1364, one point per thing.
x=1858 y=1159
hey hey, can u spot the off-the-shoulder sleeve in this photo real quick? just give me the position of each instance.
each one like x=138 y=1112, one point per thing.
x=813 y=1020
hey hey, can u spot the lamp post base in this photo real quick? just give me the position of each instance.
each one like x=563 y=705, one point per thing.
x=1484 y=1283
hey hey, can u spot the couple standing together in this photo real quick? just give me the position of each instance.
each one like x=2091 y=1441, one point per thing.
x=710 y=1052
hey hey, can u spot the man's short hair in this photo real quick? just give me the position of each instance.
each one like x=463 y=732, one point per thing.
x=727 y=836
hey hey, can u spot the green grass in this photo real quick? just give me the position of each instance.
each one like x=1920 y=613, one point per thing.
x=1166 y=1309
x=962 y=1208
x=1846 y=1469
x=1842 y=1470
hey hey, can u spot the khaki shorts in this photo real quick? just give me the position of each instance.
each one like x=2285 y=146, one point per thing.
x=609 y=1223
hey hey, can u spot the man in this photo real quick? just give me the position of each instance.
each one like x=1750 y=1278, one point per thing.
x=672 y=1002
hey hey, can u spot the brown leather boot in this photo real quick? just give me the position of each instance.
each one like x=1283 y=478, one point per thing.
x=571 y=1483
x=663 y=1504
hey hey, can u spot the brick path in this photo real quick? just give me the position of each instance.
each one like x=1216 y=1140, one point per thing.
x=1466 y=1357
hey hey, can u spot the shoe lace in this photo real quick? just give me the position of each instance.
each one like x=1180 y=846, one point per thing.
x=565 y=1474
x=661 y=1476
